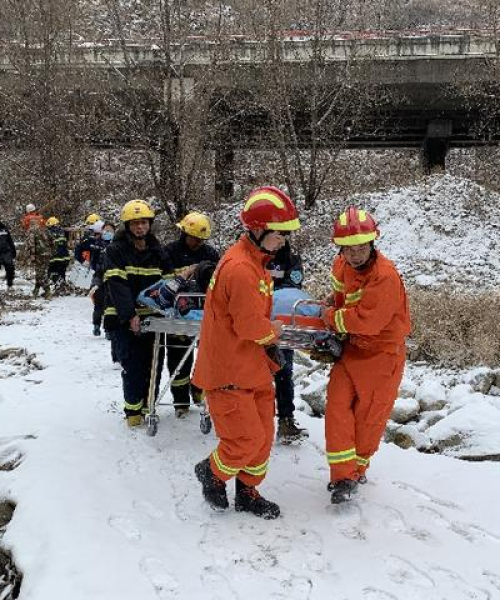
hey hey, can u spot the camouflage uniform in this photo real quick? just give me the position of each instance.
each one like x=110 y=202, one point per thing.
x=39 y=249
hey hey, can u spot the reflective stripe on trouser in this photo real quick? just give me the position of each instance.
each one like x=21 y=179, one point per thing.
x=176 y=348
x=135 y=354
x=244 y=423
x=360 y=397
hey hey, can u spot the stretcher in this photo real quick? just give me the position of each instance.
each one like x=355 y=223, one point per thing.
x=170 y=323
x=298 y=333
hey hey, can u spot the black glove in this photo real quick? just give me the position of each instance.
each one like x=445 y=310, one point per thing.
x=276 y=355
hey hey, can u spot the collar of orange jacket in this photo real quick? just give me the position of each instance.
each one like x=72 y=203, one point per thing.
x=254 y=250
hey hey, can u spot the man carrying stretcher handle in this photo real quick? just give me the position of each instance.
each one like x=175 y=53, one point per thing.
x=233 y=366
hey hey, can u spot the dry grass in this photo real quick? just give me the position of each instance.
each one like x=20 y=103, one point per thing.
x=456 y=329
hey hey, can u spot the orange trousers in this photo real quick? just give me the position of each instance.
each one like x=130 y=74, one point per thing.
x=244 y=423
x=360 y=396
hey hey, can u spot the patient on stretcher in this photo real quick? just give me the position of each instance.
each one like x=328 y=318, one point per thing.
x=163 y=295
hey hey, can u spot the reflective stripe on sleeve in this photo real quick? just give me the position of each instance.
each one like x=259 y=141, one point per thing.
x=115 y=273
x=339 y=321
x=265 y=340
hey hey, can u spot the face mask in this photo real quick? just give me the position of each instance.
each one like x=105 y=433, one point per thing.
x=107 y=236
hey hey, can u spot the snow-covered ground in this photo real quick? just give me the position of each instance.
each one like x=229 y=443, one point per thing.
x=107 y=513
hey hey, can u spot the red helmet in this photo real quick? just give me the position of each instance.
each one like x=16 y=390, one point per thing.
x=354 y=226
x=269 y=208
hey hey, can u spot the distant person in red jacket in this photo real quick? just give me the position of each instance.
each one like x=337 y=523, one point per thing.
x=30 y=215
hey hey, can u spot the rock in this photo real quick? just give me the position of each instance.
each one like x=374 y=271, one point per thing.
x=405 y=409
x=302 y=359
x=473 y=430
x=315 y=394
x=408 y=436
x=429 y=418
x=431 y=395
x=407 y=389
x=482 y=380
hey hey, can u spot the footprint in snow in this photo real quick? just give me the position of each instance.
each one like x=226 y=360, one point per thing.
x=371 y=593
x=403 y=572
x=469 y=531
x=394 y=520
x=164 y=584
x=423 y=494
x=460 y=589
x=126 y=527
x=493 y=578
x=149 y=509
x=10 y=458
x=217 y=585
x=348 y=520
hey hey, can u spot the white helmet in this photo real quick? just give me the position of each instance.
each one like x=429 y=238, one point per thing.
x=30 y=208
x=97 y=227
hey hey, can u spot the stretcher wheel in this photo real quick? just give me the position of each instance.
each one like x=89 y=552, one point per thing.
x=152 y=425
x=205 y=424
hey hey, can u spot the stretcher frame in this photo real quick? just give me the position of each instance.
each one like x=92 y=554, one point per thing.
x=164 y=324
x=160 y=325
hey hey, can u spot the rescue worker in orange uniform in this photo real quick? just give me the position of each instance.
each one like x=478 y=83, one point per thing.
x=235 y=365
x=369 y=305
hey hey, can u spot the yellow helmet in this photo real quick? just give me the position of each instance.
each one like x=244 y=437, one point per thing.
x=136 y=209
x=196 y=225
x=52 y=222
x=92 y=218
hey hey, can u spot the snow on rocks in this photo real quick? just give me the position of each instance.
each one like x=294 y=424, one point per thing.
x=405 y=409
x=17 y=361
x=452 y=418
x=431 y=395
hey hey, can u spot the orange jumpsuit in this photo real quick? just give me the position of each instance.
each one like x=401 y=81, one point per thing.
x=372 y=308
x=233 y=367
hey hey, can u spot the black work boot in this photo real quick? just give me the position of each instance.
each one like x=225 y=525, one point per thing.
x=342 y=490
x=289 y=432
x=214 y=489
x=248 y=499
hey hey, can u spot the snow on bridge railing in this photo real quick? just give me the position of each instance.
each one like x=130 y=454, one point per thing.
x=297 y=46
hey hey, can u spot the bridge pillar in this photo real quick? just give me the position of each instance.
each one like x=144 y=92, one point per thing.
x=435 y=145
x=224 y=171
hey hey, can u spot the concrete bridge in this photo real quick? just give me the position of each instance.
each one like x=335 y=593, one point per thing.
x=422 y=73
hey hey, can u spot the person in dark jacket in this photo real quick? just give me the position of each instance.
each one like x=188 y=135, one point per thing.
x=7 y=254
x=59 y=261
x=287 y=272
x=181 y=258
x=133 y=262
x=97 y=287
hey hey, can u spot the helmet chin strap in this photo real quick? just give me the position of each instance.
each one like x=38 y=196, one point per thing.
x=258 y=241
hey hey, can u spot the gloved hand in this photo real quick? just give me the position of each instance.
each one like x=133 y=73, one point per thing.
x=276 y=355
